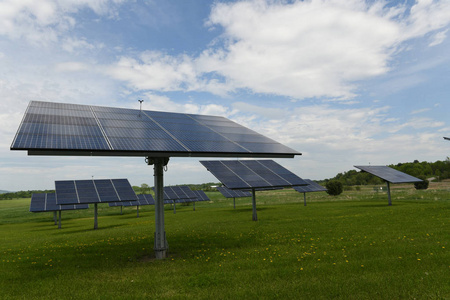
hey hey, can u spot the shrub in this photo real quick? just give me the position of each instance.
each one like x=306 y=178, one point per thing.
x=423 y=185
x=334 y=187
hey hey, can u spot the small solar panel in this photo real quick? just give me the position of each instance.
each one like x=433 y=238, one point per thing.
x=201 y=196
x=93 y=191
x=178 y=192
x=311 y=187
x=47 y=202
x=245 y=174
x=69 y=129
x=227 y=193
x=146 y=199
x=389 y=174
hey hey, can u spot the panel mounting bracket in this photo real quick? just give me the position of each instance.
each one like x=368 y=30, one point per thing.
x=151 y=160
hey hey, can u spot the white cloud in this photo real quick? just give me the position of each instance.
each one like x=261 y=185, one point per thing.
x=302 y=49
x=419 y=111
x=438 y=38
x=44 y=21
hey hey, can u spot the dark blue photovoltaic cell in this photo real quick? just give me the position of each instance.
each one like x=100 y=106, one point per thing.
x=94 y=191
x=227 y=193
x=106 y=190
x=146 y=199
x=245 y=174
x=66 y=192
x=389 y=174
x=124 y=189
x=311 y=187
x=58 y=128
x=87 y=193
x=178 y=192
x=201 y=196
x=47 y=202
x=37 y=202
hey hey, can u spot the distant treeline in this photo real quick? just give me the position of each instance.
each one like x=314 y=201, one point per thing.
x=22 y=194
x=436 y=171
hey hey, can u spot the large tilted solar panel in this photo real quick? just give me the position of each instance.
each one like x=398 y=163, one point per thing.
x=389 y=174
x=311 y=187
x=93 y=191
x=69 y=129
x=47 y=202
x=245 y=174
x=227 y=193
x=201 y=196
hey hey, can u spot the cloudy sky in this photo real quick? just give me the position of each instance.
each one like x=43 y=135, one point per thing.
x=343 y=82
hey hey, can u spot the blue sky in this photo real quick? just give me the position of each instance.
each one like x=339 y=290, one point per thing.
x=343 y=82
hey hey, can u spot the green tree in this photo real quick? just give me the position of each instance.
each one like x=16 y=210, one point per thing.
x=423 y=185
x=334 y=187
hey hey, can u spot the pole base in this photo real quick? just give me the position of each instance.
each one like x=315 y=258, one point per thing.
x=160 y=254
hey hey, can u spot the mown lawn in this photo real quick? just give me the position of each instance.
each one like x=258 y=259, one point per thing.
x=353 y=246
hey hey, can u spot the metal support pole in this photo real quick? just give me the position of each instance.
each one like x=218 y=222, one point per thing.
x=234 y=203
x=137 y=211
x=255 y=217
x=194 y=205
x=59 y=223
x=55 y=219
x=161 y=246
x=389 y=192
x=95 y=216
x=304 y=199
x=174 y=207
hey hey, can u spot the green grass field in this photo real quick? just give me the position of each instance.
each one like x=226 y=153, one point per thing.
x=353 y=246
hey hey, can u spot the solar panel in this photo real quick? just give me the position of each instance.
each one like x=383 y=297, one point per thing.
x=389 y=174
x=93 y=191
x=311 y=187
x=47 y=202
x=146 y=199
x=201 y=196
x=245 y=174
x=178 y=193
x=227 y=193
x=69 y=129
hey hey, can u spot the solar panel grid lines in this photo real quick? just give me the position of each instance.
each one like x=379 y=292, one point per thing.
x=389 y=174
x=227 y=193
x=252 y=174
x=201 y=195
x=102 y=130
x=167 y=132
x=146 y=199
x=71 y=129
x=311 y=187
x=43 y=202
x=94 y=191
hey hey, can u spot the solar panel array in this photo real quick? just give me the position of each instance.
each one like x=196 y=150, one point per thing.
x=93 y=191
x=58 y=128
x=245 y=174
x=311 y=187
x=47 y=202
x=227 y=193
x=389 y=174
